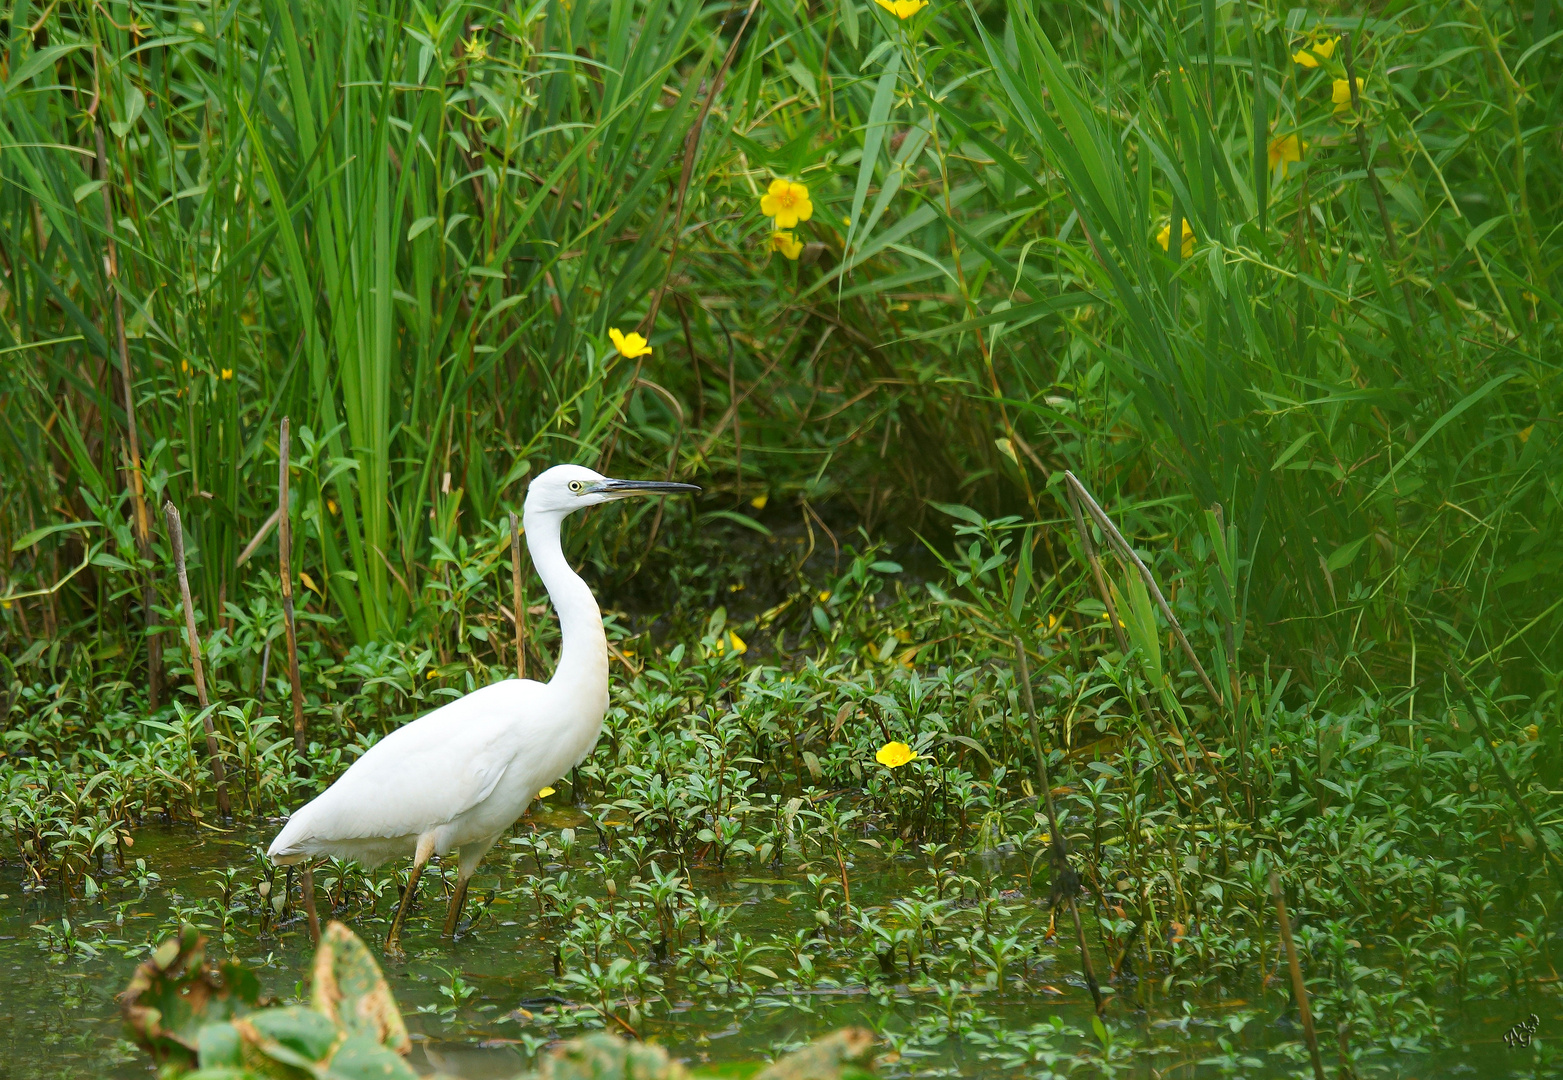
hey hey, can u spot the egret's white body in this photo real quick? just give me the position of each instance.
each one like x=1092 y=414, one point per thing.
x=459 y=777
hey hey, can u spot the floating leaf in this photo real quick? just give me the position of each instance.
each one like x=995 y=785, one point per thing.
x=349 y=989
x=838 y=1056
x=606 y=1057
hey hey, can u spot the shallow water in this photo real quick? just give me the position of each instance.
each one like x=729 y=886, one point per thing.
x=59 y=1018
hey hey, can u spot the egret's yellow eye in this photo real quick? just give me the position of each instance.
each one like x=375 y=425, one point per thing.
x=576 y=486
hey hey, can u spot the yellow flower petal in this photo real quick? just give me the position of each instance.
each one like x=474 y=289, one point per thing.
x=737 y=642
x=630 y=345
x=786 y=243
x=547 y=791
x=788 y=203
x=893 y=755
x=1188 y=237
x=1305 y=58
x=227 y=373
x=1284 y=150
x=759 y=501
x=902 y=9
x=1324 y=46
x=1340 y=94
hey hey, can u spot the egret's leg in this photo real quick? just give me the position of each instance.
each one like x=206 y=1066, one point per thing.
x=308 y=883
x=471 y=855
x=420 y=857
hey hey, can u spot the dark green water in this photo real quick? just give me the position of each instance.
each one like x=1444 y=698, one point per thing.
x=59 y=1017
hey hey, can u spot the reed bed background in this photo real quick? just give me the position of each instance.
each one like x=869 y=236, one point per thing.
x=410 y=228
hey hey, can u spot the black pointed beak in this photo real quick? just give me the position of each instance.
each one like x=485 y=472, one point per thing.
x=623 y=488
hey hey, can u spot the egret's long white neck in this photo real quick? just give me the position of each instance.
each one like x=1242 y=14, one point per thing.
x=583 y=656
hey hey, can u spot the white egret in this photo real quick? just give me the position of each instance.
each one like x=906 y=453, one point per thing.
x=460 y=776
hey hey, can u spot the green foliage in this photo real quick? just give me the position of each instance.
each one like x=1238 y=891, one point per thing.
x=410 y=231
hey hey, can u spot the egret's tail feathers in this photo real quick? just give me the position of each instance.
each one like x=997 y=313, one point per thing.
x=291 y=845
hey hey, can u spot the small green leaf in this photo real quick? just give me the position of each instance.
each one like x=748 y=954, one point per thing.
x=1342 y=556
x=27 y=540
x=966 y=514
x=849 y=21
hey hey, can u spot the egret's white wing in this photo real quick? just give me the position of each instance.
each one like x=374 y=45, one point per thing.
x=422 y=775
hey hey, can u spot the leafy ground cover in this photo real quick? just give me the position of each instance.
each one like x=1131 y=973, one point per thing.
x=735 y=850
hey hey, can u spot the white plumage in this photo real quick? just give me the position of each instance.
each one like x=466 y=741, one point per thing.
x=459 y=777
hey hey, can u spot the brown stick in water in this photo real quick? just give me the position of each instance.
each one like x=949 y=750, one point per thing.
x=1299 y=989
x=176 y=536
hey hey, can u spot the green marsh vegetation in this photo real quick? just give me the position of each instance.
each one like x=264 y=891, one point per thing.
x=1325 y=419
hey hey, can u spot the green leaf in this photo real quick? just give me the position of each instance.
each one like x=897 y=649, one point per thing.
x=965 y=513
x=86 y=189
x=135 y=105
x=420 y=226
x=27 y=540
x=363 y=1058
x=733 y=515
x=873 y=138
x=1017 y=600
x=849 y=21
x=1342 y=556
x=220 y=1045
x=1474 y=237
x=1139 y=618
x=607 y=1057
x=38 y=61
x=836 y=1056
x=349 y=988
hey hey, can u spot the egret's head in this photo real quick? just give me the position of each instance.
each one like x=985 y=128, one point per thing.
x=566 y=488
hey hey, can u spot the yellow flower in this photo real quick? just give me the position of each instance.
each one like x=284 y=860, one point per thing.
x=902 y=9
x=1284 y=150
x=1318 y=46
x=788 y=203
x=786 y=243
x=431 y=674
x=184 y=366
x=823 y=596
x=759 y=501
x=737 y=642
x=1341 y=94
x=630 y=345
x=1532 y=733
x=893 y=755
x=227 y=373
x=547 y=791
x=1188 y=237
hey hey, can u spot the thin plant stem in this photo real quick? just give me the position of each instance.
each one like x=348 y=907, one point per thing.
x=1299 y=989
x=176 y=537
x=285 y=558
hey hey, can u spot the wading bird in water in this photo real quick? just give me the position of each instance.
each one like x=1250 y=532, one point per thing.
x=459 y=777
